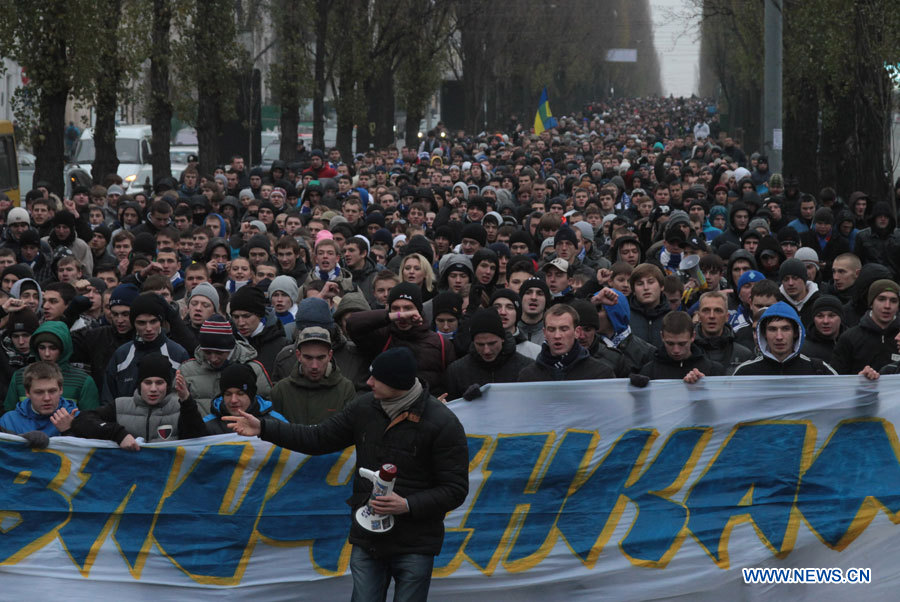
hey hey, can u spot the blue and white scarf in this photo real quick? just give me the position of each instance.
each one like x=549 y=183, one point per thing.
x=333 y=274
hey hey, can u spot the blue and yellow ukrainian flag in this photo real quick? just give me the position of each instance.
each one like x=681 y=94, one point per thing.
x=544 y=119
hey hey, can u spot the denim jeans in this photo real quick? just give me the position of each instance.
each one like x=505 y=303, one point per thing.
x=372 y=576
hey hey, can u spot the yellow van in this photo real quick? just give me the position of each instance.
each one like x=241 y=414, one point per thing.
x=9 y=166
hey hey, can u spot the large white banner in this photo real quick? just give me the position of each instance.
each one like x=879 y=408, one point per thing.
x=583 y=490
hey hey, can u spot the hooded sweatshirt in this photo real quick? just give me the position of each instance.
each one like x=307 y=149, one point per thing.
x=78 y=386
x=25 y=419
x=795 y=363
x=259 y=407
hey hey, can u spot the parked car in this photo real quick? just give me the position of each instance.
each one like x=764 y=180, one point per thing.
x=132 y=148
x=26 y=171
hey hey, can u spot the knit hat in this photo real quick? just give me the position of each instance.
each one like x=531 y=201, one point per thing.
x=788 y=234
x=447 y=303
x=823 y=215
x=205 y=289
x=792 y=267
x=154 y=365
x=124 y=294
x=587 y=231
x=30 y=238
x=563 y=234
x=259 y=225
x=829 y=303
x=45 y=337
x=486 y=320
x=406 y=290
x=286 y=285
x=22 y=321
x=249 y=299
x=807 y=255
x=475 y=232
x=19 y=270
x=259 y=241
x=758 y=222
x=63 y=218
x=238 y=376
x=505 y=293
x=313 y=311
x=587 y=313
x=147 y=304
x=881 y=286
x=421 y=245
x=750 y=277
x=535 y=282
x=216 y=334
x=396 y=368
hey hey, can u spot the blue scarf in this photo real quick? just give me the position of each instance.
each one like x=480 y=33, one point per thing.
x=334 y=274
x=617 y=339
x=670 y=261
x=234 y=285
x=563 y=292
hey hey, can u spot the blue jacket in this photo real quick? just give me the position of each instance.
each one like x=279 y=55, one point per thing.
x=24 y=419
x=259 y=407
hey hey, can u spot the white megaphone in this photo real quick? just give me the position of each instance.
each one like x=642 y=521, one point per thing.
x=382 y=484
x=690 y=265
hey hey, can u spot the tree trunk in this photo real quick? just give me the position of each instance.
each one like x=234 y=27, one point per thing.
x=346 y=96
x=365 y=130
x=49 y=145
x=160 y=105
x=289 y=122
x=209 y=114
x=384 y=109
x=318 y=139
x=106 y=160
x=801 y=131
x=344 y=139
x=414 y=115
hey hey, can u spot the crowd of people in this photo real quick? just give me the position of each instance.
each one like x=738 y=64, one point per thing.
x=356 y=293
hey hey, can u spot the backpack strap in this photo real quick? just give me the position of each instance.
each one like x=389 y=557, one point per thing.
x=388 y=343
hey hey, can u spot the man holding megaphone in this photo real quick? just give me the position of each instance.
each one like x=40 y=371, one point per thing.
x=401 y=424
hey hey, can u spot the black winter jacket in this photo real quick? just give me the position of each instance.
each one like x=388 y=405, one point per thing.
x=373 y=332
x=647 y=323
x=865 y=345
x=426 y=443
x=818 y=346
x=662 y=366
x=584 y=367
x=269 y=342
x=723 y=349
x=472 y=370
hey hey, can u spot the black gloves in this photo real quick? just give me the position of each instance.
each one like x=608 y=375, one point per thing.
x=36 y=439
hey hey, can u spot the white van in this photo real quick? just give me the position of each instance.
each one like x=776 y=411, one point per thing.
x=132 y=148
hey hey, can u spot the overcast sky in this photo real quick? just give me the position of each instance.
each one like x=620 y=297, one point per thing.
x=677 y=47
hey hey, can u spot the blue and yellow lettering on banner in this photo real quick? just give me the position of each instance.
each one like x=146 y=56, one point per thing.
x=562 y=495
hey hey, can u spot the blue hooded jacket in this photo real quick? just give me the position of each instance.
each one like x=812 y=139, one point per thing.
x=619 y=314
x=779 y=310
x=24 y=419
x=259 y=407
